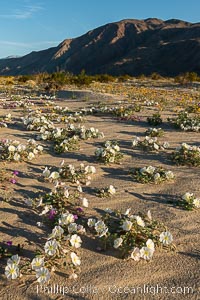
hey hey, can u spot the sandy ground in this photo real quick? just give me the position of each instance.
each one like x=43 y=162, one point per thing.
x=103 y=275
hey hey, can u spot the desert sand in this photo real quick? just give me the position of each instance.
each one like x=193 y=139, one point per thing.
x=103 y=275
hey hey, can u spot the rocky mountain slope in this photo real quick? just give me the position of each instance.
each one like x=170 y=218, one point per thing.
x=126 y=47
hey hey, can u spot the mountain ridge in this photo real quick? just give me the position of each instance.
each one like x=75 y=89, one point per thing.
x=128 y=46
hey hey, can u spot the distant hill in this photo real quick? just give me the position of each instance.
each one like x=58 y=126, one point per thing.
x=126 y=47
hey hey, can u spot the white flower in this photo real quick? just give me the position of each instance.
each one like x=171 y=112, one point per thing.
x=184 y=145
x=42 y=275
x=66 y=219
x=39 y=224
x=127 y=211
x=91 y=222
x=136 y=254
x=73 y=276
x=80 y=229
x=56 y=232
x=66 y=193
x=187 y=196
x=37 y=263
x=75 y=241
x=117 y=243
x=101 y=227
x=150 y=244
x=15 y=259
x=79 y=188
x=166 y=238
x=75 y=259
x=8 y=116
x=156 y=146
x=90 y=169
x=127 y=225
x=54 y=175
x=116 y=147
x=12 y=271
x=146 y=253
x=169 y=175
x=16 y=157
x=135 y=141
x=35 y=151
x=139 y=220
x=156 y=176
x=62 y=163
x=149 y=215
x=46 y=172
x=31 y=155
x=111 y=190
x=50 y=247
x=85 y=202
x=40 y=148
x=11 y=148
x=196 y=202
x=73 y=227
x=150 y=170
x=143 y=170
x=45 y=210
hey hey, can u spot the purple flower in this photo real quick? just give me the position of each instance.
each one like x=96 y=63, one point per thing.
x=52 y=214
x=80 y=209
x=12 y=180
x=75 y=217
x=15 y=172
x=9 y=243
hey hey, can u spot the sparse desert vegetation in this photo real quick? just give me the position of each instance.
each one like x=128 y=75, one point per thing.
x=99 y=184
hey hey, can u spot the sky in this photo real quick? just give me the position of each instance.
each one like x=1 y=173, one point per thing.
x=32 y=25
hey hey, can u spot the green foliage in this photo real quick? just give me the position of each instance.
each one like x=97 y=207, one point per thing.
x=155 y=119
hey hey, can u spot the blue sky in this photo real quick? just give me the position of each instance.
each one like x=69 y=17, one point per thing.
x=29 y=25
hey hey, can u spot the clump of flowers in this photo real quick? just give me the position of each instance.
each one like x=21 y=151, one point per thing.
x=149 y=144
x=88 y=133
x=59 y=200
x=126 y=111
x=154 y=132
x=106 y=192
x=68 y=144
x=6 y=176
x=13 y=150
x=134 y=236
x=4 y=120
x=81 y=174
x=61 y=209
x=155 y=119
x=189 y=201
x=187 y=122
x=186 y=155
x=36 y=121
x=150 y=174
x=109 y=153
x=60 y=250
x=150 y=103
